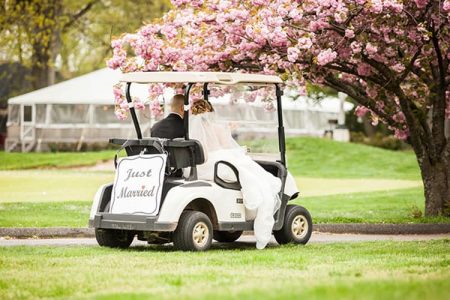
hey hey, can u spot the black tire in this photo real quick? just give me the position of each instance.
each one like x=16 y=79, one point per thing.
x=226 y=236
x=114 y=238
x=286 y=234
x=184 y=238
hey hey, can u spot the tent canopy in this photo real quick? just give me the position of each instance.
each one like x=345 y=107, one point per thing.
x=92 y=88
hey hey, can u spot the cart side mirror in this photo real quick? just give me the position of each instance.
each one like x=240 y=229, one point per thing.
x=226 y=175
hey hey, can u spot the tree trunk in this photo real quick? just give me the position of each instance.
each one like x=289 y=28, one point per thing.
x=436 y=179
x=39 y=69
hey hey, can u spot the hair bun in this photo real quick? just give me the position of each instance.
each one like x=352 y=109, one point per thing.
x=201 y=106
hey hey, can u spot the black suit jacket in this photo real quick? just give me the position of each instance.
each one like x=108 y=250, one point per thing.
x=170 y=127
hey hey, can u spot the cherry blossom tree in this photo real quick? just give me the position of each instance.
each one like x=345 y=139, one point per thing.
x=390 y=56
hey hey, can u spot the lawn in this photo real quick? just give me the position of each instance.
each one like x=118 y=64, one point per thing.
x=308 y=157
x=313 y=157
x=51 y=185
x=395 y=206
x=18 y=161
x=369 y=270
x=339 y=182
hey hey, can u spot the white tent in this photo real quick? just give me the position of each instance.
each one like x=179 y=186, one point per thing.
x=94 y=87
x=77 y=111
x=80 y=111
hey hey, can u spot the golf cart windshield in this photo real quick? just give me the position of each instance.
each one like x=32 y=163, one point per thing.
x=249 y=103
x=249 y=111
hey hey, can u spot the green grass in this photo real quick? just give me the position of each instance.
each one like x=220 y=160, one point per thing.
x=17 y=161
x=394 y=206
x=370 y=270
x=313 y=157
x=45 y=214
x=51 y=185
x=375 y=207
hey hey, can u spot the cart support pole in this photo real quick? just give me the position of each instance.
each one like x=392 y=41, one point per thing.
x=133 y=111
x=186 y=111
x=206 y=93
x=281 y=136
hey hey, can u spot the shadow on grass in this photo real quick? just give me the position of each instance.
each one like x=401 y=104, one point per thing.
x=215 y=246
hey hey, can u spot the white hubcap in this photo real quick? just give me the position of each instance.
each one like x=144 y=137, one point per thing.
x=299 y=227
x=200 y=234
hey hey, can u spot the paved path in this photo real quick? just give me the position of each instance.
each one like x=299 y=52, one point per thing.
x=317 y=237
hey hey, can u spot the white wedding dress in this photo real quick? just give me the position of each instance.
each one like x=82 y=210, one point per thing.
x=260 y=189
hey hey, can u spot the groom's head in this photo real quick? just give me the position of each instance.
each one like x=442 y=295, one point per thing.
x=177 y=104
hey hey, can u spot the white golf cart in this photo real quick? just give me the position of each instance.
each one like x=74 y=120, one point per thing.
x=191 y=212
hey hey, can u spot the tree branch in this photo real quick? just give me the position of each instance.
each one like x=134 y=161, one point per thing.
x=75 y=17
x=359 y=95
x=410 y=65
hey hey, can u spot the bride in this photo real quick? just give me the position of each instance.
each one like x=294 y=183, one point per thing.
x=260 y=189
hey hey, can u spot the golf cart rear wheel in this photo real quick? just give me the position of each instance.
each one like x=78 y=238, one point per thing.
x=297 y=226
x=194 y=232
x=226 y=236
x=114 y=238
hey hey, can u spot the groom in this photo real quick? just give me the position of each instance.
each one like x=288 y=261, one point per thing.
x=171 y=126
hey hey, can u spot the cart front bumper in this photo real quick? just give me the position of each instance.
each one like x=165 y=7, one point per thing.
x=130 y=222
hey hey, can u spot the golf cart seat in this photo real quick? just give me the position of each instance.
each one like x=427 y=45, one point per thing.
x=181 y=153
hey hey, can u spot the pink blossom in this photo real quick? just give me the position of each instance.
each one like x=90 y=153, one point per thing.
x=138 y=104
x=326 y=57
x=251 y=96
x=155 y=90
x=269 y=106
x=120 y=114
x=371 y=49
x=399 y=117
x=421 y=3
x=304 y=43
x=446 y=5
x=395 y=5
x=372 y=91
x=361 y=111
x=364 y=69
x=124 y=106
x=376 y=6
x=349 y=33
x=291 y=37
x=379 y=105
x=118 y=93
x=401 y=134
x=155 y=108
x=398 y=67
x=293 y=53
x=259 y=2
x=194 y=3
x=317 y=25
x=356 y=47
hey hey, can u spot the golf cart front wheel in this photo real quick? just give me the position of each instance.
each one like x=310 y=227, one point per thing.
x=226 y=236
x=194 y=232
x=297 y=226
x=114 y=238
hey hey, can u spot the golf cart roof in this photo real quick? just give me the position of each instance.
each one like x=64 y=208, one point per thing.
x=198 y=77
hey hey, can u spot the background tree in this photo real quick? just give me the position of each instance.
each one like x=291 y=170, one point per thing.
x=64 y=38
x=390 y=56
x=33 y=28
